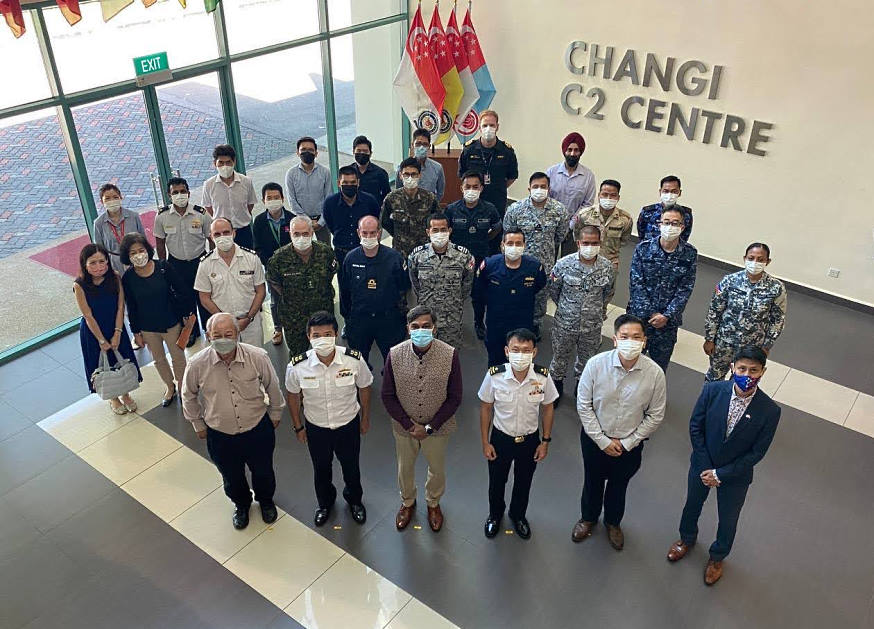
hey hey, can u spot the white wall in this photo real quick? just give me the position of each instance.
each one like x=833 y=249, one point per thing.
x=803 y=66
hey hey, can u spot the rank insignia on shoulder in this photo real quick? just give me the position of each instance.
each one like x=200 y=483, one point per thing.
x=469 y=142
x=418 y=249
x=354 y=353
x=497 y=369
x=543 y=371
x=299 y=358
x=508 y=145
x=247 y=249
x=197 y=208
x=206 y=254
x=163 y=209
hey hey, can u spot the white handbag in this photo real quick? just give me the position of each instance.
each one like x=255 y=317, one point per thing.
x=115 y=381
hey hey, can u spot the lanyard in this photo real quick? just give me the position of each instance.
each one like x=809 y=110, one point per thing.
x=275 y=229
x=115 y=231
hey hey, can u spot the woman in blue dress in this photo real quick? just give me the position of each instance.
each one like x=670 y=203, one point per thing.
x=100 y=298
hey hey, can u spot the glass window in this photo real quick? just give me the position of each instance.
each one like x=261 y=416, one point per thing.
x=342 y=13
x=42 y=228
x=25 y=80
x=257 y=23
x=279 y=99
x=95 y=53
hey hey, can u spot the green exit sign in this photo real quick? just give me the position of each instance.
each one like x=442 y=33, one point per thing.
x=152 y=68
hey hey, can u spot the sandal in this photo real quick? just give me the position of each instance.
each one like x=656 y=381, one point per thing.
x=130 y=406
x=121 y=409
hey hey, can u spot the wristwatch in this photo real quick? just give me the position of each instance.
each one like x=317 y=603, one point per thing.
x=429 y=430
x=299 y=428
x=546 y=439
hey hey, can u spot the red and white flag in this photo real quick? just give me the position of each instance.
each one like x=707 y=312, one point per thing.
x=11 y=10
x=471 y=93
x=417 y=81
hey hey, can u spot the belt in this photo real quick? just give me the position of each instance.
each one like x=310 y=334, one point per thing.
x=518 y=438
x=174 y=258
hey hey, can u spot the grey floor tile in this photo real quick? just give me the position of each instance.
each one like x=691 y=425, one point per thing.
x=65 y=349
x=16 y=531
x=77 y=367
x=27 y=454
x=25 y=369
x=59 y=493
x=48 y=393
x=12 y=420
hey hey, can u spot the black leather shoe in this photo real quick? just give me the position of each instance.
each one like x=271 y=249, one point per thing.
x=321 y=516
x=241 y=518
x=359 y=513
x=165 y=402
x=269 y=513
x=480 y=330
x=492 y=527
x=522 y=528
x=559 y=386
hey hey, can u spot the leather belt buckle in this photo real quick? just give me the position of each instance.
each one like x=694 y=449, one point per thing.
x=519 y=439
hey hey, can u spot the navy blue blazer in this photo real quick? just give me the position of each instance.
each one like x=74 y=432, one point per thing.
x=732 y=458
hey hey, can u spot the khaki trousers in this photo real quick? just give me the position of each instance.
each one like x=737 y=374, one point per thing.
x=155 y=342
x=434 y=449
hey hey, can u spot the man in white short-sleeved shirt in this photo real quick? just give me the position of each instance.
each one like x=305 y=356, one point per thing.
x=230 y=194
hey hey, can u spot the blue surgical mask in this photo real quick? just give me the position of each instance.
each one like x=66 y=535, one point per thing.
x=745 y=383
x=422 y=337
x=421 y=152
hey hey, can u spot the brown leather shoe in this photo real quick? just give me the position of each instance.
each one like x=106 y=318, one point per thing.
x=582 y=530
x=712 y=571
x=678 y=550
x=616 y=537
x=404 y=515
x=435 y=518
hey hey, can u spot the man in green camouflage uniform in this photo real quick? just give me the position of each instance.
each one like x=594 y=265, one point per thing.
x=405 y=211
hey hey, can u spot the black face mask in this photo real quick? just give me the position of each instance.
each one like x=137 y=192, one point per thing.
x=572 y=160
x=362 y=158
x=307 y=157
x=349 y=191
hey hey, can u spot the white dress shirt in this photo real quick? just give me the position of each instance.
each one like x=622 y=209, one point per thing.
x=330 y=392
x=230 y=202
x=517 y=404
x=617 y=404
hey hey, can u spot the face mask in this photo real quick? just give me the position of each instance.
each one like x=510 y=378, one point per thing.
x=520 y=361
x=607 y=204
x=224 y=243
x=273 y=204
x=370 y=243
x=421 y=337
x=411 y=183
x=753 y=267
x=489 y=133
x=420 y=152
x=226 y=171
x=669 y=232
x=223 y=346
x=669 y=198
x=362 y=158
x=324 y=345
x=140 y=259
x=180 y=200
x=538 y=195
x=471 y=196
x=629 y=349
x=745 y=383
x=307 y=157
x=349 y=191
x=572 y=160
x=112 y=205
x=513 y=253
x=302 y=243
x=589 y=252
x=439 y=239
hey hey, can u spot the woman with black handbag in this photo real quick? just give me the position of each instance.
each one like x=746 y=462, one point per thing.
x=157 y=301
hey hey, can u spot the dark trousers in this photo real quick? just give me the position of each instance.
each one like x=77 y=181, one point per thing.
x=243 y=237
x=496 y=340
x=521 y=457
x=660 y=344
x=232 y=453
x=606 y=481
x=479 y=307
x=386 y=329
x=323 y=444
x=729 y=502
x=187 y=271
x=339 y=256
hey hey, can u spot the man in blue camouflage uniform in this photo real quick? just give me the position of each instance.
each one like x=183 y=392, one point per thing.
x=662 y=278
x=649 y=219
x=579 y=285
x=544 y=222
x=748 y=308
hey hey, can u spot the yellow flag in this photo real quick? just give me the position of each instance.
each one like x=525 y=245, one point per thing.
x=111 y=8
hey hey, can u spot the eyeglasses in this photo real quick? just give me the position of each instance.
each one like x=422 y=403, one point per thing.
x=672 y=224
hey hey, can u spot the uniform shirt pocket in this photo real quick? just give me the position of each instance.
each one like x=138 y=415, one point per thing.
x=503 y=396
x=250 y=388
x=309 y=382
x=344 y=378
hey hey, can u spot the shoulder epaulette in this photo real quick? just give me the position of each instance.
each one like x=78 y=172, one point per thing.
x=418 y=249
x=497 y=369
x=543 y=371
x=198 y=209
x=299 y=358
x=163 y=209
x=254 y=253
x=205 y=255
x=354 y=353
x=460 y=248
x=508 y=145
x=469 y=142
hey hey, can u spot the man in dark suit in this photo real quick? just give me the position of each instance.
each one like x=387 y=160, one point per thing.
x=731 y=428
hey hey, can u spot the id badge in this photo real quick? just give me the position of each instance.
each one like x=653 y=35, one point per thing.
x=487 y=178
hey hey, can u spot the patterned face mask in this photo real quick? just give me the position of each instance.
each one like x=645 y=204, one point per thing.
x=745 y=383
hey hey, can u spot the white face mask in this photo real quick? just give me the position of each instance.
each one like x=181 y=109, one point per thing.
x=180 y=199
x=370 y=243
x=753 y=267
x=669 y=198
x=224 y=243
x=324 y=345
x=411 y=183
x=607 y=204
x=112 y=205
x=629 y=349
x=488 y=132
x=225 y=171
x=140 y=259
x=471 y=196
x=439 y=239
x=590 y=252
x=513 y=253
x=669 y=232
x=520 y=361
x=538 y=195
x=273 y=205
x=302 y=243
